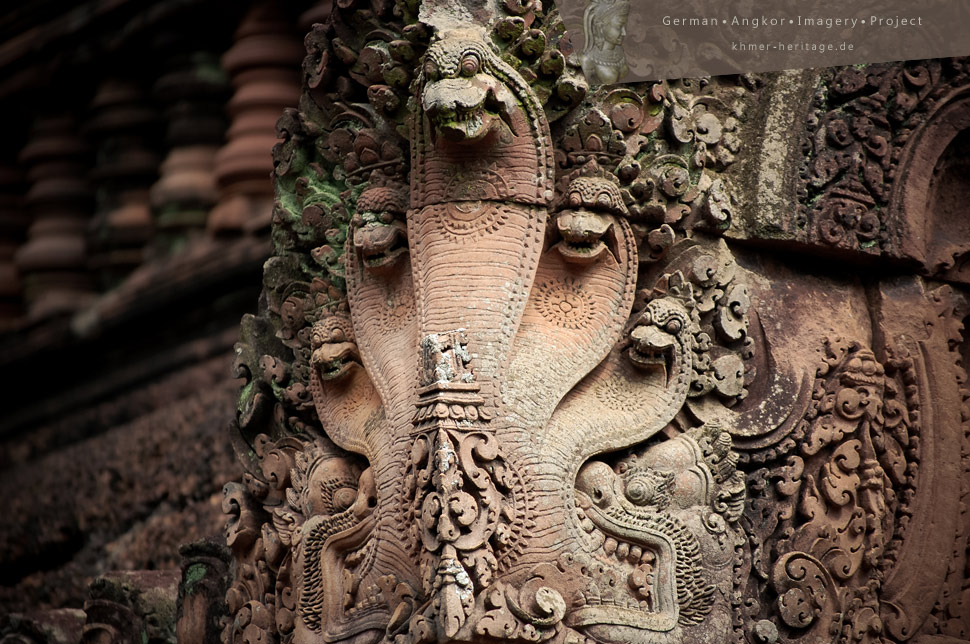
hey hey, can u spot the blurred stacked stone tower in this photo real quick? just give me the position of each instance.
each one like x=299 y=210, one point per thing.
x=135 y=200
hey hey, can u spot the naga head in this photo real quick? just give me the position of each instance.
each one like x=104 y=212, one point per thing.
x=334 y=351
x=586 y=219
x=662 y=337
x=464 y=94
x=379 y=232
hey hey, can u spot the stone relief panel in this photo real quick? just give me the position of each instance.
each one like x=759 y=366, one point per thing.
x=513 y=379
x=871 y=164
x=857 y=157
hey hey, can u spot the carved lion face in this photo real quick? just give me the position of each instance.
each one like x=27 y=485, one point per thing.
x=663 y=552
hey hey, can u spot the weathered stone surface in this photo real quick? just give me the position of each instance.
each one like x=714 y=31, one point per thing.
x=870 y=169
x=124 y=499
x=537 y=358
x=547 y=377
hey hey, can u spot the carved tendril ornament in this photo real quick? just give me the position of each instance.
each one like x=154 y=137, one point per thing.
x=508 y=383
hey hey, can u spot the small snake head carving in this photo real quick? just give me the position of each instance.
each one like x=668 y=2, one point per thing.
x=586 y=219
x=661 y=336
x=381 y=244
x=582 y=235
x=334 y=351
x=379 y=232
x=462 y=95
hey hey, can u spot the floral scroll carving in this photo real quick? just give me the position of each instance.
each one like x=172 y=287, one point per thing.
x=843 y=495
x=856 y=146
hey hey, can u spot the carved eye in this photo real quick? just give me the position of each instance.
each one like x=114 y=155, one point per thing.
x=331 y=488
x=600 y=495
x=343 y=498
x=317 y=338
x=469 y=65
x=430 y=70
x=640 y=491
x=673 y=326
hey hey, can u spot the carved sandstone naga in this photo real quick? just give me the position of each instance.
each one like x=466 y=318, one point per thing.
x=508 y=382
x=489 y=463
x=478 y=372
